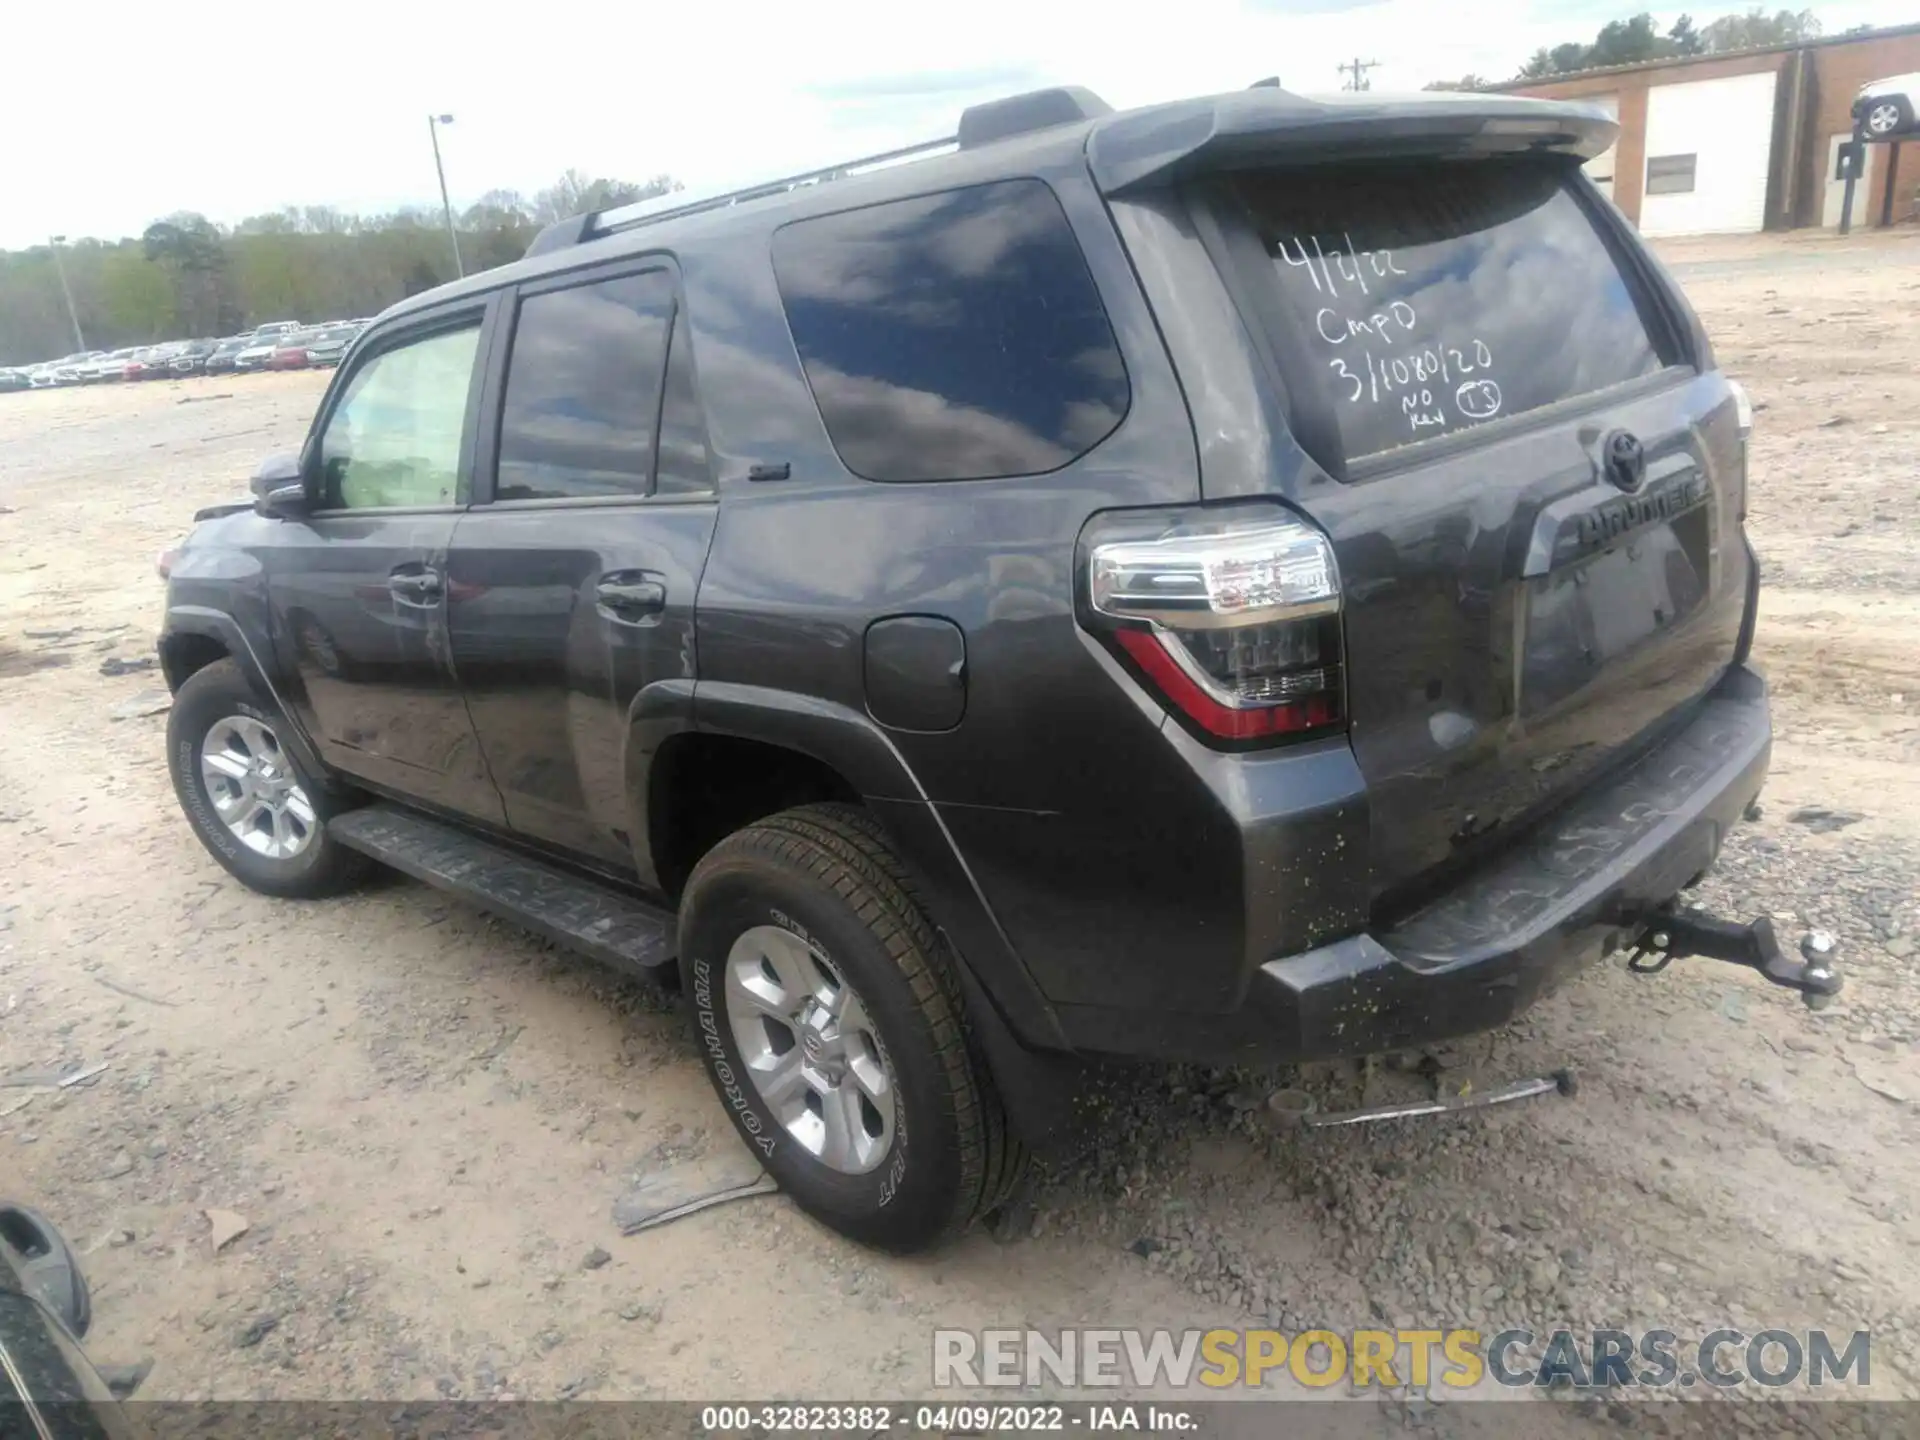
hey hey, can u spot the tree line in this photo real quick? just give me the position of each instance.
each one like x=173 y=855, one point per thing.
x=1638 y=39
x=187 y=276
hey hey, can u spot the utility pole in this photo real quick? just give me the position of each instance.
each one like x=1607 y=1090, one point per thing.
x=1357 y=71
x=434 y=122
x=79 y=340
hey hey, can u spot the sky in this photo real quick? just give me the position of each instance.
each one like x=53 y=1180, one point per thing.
x=121 y=112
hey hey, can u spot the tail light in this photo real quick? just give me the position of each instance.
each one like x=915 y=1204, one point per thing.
x=1742 y=409
x=1236 y=624
x=1743 y=428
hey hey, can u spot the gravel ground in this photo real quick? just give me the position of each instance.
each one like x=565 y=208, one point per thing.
x=424 y=1117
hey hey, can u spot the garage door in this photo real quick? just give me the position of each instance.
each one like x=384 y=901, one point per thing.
x=1708 y=147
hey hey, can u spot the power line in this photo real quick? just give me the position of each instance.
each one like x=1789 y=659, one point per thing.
x=1357 y=73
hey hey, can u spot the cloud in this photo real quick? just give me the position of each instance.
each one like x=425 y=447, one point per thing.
x=1307 y=7
x=999 y=79
x=716 y=96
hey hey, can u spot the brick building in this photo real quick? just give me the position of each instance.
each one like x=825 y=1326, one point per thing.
x=1746 y=141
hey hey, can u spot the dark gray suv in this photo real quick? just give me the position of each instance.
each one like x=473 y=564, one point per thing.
x=1247 y=580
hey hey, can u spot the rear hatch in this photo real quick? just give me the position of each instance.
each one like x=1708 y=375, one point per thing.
x=1531 y=477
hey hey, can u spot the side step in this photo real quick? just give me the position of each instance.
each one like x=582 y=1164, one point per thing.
x=598 y=921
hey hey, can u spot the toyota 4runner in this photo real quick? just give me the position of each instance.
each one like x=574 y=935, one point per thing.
x=1253 y=579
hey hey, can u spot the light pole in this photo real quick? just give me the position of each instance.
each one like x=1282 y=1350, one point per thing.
x=434 y=122
x=79 y=340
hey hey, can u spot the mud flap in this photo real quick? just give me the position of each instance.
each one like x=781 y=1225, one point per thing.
x=1041 y=1090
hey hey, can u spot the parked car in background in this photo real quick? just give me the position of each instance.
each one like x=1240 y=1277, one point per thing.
x=191 y=358
x=110 y=365
x=255 y=355
x=291 y=352
x=63 y=371
x=47 y=373
x=317 y=344
x=1889 y=107
x=219 y=360
x=155 y=363
x=330 y=343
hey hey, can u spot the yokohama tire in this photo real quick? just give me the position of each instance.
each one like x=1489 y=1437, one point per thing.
x=822 y=881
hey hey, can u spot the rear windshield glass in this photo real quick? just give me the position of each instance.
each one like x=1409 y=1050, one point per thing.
x=1432 y=298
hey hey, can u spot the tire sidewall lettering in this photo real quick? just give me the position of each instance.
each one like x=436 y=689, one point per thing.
x=896 y=1170
x=737 y=1097
x=763 y=1133
x=195 y=788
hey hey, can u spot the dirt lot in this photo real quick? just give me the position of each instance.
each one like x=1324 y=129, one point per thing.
x=425 y=1117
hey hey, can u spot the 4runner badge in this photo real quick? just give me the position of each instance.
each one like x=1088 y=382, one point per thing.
x=1611 y=519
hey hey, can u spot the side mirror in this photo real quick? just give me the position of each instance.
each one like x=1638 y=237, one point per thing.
x=279 y=488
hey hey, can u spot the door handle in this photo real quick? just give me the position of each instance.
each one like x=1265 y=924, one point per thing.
x=415 y=587
x=631 y=599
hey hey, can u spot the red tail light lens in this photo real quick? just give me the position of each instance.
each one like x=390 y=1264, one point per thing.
x=1236 y=625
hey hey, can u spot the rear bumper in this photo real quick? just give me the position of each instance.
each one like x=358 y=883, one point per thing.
x=1482 y=953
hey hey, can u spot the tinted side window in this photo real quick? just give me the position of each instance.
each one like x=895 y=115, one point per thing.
x=952 y=337
x=394 y=438
x=685 y=468
x=583 y=390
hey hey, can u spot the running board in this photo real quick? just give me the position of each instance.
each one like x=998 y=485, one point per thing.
x=597 y=920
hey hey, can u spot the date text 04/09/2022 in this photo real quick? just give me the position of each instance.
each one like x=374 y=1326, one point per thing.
x=944 y=1419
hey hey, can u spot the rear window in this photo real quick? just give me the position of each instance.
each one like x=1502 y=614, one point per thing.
x=583 y=390
x=1436 y=297
x=956 y=336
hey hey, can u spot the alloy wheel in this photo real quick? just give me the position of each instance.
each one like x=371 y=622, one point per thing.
x=811 y=1048
x=254 y=789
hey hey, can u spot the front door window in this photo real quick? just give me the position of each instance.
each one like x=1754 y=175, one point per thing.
x=394 y=439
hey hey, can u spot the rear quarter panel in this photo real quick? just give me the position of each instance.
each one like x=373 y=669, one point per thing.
x=1055 y=782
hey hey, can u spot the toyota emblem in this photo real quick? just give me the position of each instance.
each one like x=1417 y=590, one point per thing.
x=1626 y=462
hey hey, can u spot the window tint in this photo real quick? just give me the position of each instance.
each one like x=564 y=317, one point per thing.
x=1429 y=298
x=583 y=390
x=394 y=438
x=684 y=465
x=952 y=337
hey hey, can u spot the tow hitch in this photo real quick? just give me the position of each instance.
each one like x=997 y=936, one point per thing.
x=1675 y=934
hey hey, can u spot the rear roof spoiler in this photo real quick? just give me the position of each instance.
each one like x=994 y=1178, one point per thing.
x=1270 y=126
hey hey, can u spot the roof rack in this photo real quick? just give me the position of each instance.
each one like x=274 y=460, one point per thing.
x=979 y=125
x=578 y=229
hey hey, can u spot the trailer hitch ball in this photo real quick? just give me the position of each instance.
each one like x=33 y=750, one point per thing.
x=1816 y=948
x=1670 y=934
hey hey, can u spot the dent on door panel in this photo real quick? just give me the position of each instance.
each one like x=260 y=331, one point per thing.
x=559 y=619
